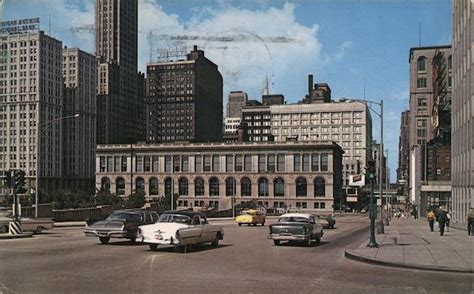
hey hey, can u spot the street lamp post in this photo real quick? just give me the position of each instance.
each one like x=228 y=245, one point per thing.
x=46 y=126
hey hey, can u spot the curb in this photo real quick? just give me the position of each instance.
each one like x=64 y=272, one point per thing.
x=22 y=236
x=351 y=255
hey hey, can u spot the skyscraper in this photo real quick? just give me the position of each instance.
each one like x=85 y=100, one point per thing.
x=462 y=114
x=404 y=148
x=31 y=107
x=120 y=105
x=184 y=100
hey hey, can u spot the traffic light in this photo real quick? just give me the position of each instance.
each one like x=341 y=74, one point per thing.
x=19 y=181
x=8 y=178
x=371 y=169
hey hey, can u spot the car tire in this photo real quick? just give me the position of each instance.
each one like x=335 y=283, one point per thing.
x=240 y=224
x=263 y=224
x=39 y=230
x=3 y=229
x=318 y=240
x=104 y=240
x=276 y=242
x=308 y=242
x=133 y=240
x=153 y=247
x=215 y=243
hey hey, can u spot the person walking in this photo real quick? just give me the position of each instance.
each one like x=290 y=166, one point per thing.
x=442 y=219
x=431 y=218
x=470 y=223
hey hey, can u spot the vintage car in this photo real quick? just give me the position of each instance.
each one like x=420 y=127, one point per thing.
x=300 y=227
x=179 y=229
x=35 y=225
x=327 y=221
x=251 y=217
x=120 y=224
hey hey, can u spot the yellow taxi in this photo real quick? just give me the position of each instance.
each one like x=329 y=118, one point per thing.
x=250 y=217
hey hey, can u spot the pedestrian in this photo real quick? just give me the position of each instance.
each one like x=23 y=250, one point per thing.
x=442 y=218
x=431 y=218
x=470 y=222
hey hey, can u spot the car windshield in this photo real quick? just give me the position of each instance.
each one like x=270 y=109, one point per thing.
x=291 y=219
x=124 y=216
x=246 y=212
x=174 y=218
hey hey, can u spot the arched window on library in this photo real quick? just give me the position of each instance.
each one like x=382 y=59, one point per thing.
x=319 y=187
x=262 y=187
x=245 y=187
x=183 y=186
x=105 y=184
x=153 y=186
x=120 y=186
x=301 y=187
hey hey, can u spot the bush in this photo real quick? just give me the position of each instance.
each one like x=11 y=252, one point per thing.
x=104 y=197
x=135 y=200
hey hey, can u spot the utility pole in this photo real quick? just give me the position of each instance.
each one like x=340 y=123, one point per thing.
x=371 y=171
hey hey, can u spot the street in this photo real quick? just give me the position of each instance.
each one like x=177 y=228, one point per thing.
x=65 y=261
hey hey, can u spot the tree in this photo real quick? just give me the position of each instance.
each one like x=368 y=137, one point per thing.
x=104 y=197
x=65 y=199
x=135 y=200
x=164 y=202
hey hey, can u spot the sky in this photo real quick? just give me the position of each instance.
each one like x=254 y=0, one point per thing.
x=359 y=47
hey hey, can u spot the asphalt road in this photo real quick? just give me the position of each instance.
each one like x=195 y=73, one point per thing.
x=64 y=261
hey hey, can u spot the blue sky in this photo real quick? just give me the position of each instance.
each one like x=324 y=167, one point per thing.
x=342 y=43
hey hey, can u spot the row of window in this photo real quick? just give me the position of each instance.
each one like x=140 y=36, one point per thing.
x=301 y=186
x=276 y=204
x=212 y=163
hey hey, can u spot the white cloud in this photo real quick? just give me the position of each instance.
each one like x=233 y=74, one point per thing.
x=247 y=45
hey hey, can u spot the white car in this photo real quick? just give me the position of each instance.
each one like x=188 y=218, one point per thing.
x=180 y=229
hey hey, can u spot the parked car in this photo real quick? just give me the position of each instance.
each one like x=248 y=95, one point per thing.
x=120 y=224
x=300 y=227
x=327 y=221
x=180 y=229
x=250 y=217
x=35 y=225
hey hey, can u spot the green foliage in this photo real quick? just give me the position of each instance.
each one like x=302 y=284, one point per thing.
x=135 y=200
x=64 y=199
x=104 y=197
x=164 y=202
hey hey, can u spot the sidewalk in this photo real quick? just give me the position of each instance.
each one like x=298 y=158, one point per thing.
x=409 y=243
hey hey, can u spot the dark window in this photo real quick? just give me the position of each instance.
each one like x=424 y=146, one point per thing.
x=248 y=162
x=271 y=163
x=140 y=185
x=213 y=186
x=297 y=162
x=105 y=184
x=198 y=163
x=261 y=163
x=262 y=187
x=306 y=162
x=421 y=83
x=185 y=163
x=168 y=163
x=230 y=187
x=176 y=163
x=124 y=163
x=246 y=187
x=421 y=64
x=146 y=163
x=183 y=186
x=120 y=186
x=324 y=162
x=281 y=162
x=207 y=163
x=279 y=187
x=229 y=163
x=153 y=186
x=216 y=163
x=199 y=187
x=238 y=163
x=319 y=187
x=315 y=162
x=301 y=187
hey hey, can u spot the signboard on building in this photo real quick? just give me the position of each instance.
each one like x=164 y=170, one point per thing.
x=357 y=180
x=20 y=25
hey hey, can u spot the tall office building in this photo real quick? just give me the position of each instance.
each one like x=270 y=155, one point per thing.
x=79 y=140
x=404 y=149
x=430 y=85
x=184 y=100
x=462 y=114
x=236 y=101
x=119 y=103
x=31 y=107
